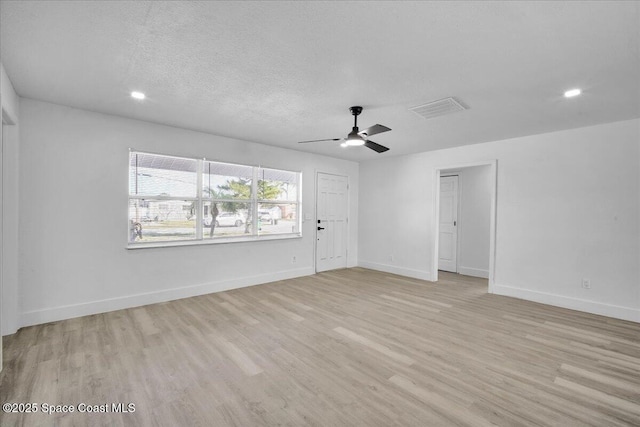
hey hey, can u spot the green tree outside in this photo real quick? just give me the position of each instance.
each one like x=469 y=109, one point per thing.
x=241 y=189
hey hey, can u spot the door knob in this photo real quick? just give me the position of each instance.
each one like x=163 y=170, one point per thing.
x=320 y=228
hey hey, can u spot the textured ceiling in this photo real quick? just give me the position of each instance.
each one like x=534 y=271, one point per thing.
x=280 y=72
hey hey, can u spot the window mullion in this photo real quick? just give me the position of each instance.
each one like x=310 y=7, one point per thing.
x=199 y=205
x=254 y=202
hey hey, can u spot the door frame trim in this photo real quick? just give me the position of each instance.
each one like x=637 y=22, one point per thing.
x=435 y=225
x=315 y=217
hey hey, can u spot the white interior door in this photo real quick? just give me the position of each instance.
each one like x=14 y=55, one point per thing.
x=448 y=240
x=331 y=215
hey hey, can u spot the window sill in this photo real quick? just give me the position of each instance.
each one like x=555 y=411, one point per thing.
x=215 y=241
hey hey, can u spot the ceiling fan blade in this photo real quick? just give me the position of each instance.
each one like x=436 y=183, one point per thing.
x=375 y=147
x=320 y=140
x=373 y=130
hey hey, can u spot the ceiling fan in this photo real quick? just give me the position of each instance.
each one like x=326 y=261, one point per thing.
x=359 y=137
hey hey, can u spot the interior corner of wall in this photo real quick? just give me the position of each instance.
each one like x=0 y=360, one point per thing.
x=10 y=100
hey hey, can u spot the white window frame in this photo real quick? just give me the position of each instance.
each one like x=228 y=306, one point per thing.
x=200 y=200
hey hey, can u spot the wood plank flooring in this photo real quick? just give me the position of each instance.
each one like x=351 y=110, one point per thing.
x=344 y=348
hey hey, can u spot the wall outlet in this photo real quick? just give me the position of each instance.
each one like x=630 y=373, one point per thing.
x=293 y=260
x=586 y=283
x=391 y=258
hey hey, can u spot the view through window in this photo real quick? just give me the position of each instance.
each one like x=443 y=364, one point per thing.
x=182 y=199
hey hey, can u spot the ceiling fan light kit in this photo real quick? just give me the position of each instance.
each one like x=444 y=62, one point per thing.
x=357 y=137
x=353 y=140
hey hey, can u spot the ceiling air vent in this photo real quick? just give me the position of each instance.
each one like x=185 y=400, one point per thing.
x=438 y=108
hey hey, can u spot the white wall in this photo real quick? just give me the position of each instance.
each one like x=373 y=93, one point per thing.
x=474 y=187
x=9 y=304
x=73 y=216
x=567 y=209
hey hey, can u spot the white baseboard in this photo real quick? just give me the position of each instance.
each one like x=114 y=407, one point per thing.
x=615 y=311
x=37 y=317
x=475 y=272
x=394 y=269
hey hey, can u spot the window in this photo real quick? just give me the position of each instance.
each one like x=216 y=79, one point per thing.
x=181 y=199
x=277 y=201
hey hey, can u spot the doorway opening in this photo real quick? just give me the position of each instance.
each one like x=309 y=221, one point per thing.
x=465 y=197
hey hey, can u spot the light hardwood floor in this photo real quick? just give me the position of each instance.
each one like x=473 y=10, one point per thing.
x=344 y=348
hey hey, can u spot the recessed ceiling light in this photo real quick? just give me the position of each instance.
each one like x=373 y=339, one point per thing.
x=137 y=95
x=571 y=93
